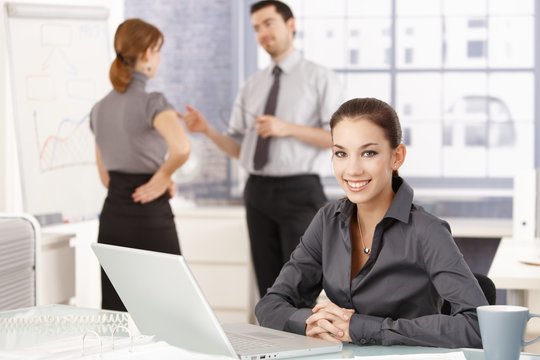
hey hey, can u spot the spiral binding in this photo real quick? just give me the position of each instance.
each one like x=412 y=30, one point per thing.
x=99 y=338
x=102 y=323
x=129 y=342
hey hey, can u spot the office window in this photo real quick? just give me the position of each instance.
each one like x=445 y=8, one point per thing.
x=460 y=74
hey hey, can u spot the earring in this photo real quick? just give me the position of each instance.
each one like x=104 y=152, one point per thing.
x=149 y=68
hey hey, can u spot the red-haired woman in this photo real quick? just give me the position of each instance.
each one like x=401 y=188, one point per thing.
x=139 y=144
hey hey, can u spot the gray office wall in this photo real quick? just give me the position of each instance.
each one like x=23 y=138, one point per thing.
x=199 y=67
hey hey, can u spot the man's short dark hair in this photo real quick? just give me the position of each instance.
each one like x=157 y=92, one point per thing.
x=283 y=9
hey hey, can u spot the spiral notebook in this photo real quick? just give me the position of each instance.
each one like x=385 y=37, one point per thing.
x=164 y=299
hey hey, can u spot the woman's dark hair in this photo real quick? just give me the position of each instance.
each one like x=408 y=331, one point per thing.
x=283 y=9
x=133 y=37
x=374 y=110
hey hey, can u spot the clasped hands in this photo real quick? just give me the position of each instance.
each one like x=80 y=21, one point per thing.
x=329 y=322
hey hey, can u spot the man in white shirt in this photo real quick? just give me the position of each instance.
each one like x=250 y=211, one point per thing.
x=288 y=106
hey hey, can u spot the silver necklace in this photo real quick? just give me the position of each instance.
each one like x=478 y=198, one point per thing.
x=366 y=250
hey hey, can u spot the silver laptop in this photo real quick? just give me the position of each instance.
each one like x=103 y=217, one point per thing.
x=164 y=299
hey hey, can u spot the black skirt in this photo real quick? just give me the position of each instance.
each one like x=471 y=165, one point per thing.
x=142 y=226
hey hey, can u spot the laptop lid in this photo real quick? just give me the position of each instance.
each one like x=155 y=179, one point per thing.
x=163 y=298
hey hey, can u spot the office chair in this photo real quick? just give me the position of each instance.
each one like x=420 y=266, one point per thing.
x=487 y=286
x=19 y=235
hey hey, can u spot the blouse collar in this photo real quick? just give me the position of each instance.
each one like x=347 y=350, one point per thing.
x=138 y=80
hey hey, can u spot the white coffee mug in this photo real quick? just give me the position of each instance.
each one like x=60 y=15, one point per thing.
x=502 y=328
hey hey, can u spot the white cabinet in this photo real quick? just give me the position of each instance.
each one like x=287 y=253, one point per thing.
x=56 y=269
x=71 y=272
x=215 y=243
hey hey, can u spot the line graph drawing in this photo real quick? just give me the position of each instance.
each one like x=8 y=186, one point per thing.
x=70 y=145
x=63 y=140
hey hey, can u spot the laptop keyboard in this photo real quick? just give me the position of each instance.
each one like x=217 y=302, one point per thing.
x=246 y=343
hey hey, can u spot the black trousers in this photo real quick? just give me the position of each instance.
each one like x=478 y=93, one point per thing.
x=125 y=223
x=278 y=211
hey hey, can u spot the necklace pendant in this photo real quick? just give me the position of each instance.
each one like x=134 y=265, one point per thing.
x=367 y=250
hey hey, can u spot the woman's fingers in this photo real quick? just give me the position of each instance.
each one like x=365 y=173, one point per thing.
x=318 y=325
x=331 y=308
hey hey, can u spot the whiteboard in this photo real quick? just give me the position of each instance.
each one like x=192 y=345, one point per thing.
x=59 y=66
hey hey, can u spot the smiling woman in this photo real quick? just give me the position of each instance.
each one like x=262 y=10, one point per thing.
x=363 y=164
x=385 y=264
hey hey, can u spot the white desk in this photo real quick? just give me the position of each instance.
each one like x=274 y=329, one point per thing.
x=70 y=321
x=480 y=227
x=521 y=281
x=350 y=351
x=507 y=272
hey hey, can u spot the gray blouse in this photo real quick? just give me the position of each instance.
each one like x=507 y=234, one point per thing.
x=397 y=295
x=123 y=127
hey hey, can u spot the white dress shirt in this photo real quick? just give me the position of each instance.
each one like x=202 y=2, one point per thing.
x=308 y=95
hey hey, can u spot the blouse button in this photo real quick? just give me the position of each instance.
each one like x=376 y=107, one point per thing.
x=363 y=341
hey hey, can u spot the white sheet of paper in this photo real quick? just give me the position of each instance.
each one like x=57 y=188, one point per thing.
x=159 y=350
x=455 y=355
x=70 y=349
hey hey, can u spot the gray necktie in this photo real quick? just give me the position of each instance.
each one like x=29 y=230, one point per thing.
x=263 y=144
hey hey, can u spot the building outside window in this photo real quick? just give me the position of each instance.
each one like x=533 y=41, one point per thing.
x=460 y=74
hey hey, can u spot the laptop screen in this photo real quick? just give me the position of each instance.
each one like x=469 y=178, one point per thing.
x=163 y=298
